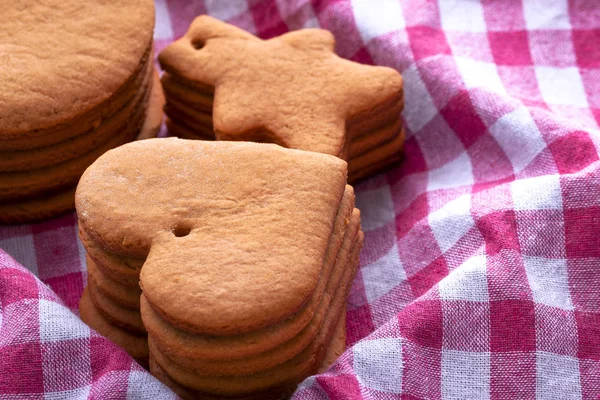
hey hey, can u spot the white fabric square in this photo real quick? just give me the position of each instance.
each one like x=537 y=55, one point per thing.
x=419 y=108
x=383 y=275
x=22 y=249
x=58 y=323
x=378 y=364
x=539 y=193
x=458 y=172
x=225 y=10
x=519 y=137
x=143 y=386
x=162 y=23
x=467 y=282
x=479 y=74
x=376 y=20
x=462 y=16
x=311 y=23
x=465 y=375
x=540 y=14
x=81 y=393
x=557 y=377
x=562 y=86
x=549 y=281
x=451 y=222
x=376 y=207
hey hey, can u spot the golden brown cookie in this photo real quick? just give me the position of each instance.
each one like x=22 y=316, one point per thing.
x=335 y=349
x=79 y=145
x=240 y=354
x=372 y=162
x=80 y=65
x=136 y=346
x=294 y=370
x=209 y=208
x=292 y=90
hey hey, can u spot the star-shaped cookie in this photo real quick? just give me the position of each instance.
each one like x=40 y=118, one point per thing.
x=292 y=90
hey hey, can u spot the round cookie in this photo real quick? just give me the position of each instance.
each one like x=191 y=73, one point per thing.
x=57 y=203
x=79 y=145
x=17 y=186
x=136 y=346
x=81 y=65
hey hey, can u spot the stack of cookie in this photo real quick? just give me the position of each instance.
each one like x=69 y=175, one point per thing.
x=248 y=250
x=111 y=301
x=64 y=103
x=293 y=90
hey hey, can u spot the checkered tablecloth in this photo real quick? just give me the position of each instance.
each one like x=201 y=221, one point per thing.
x=480 y=275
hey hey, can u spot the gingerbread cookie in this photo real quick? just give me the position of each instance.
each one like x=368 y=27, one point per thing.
x=245 y=258
x=86 y=90
x=292 y=90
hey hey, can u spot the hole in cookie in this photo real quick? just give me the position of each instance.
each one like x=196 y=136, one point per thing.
x=181 y=231
x=197 y=44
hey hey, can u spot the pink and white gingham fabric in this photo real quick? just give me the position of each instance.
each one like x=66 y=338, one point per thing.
x=480 y=275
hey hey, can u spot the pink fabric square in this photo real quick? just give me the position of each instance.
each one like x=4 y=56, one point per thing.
x=442 y=79
x=463 y=118
x=421 y=323
x=427 y=277
x=512 y=326
x=499 y=230
x=588 y=327
x=574 y=152
x=590 y=378
x=411 y=216
x=267 y=19
x=21 y=369
x=581 y=227
x=421 y=13
x=358 y=323
x=16 y=285
x=427 y=42
x=510 y=47
x=387 y=306
x=587 y=47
